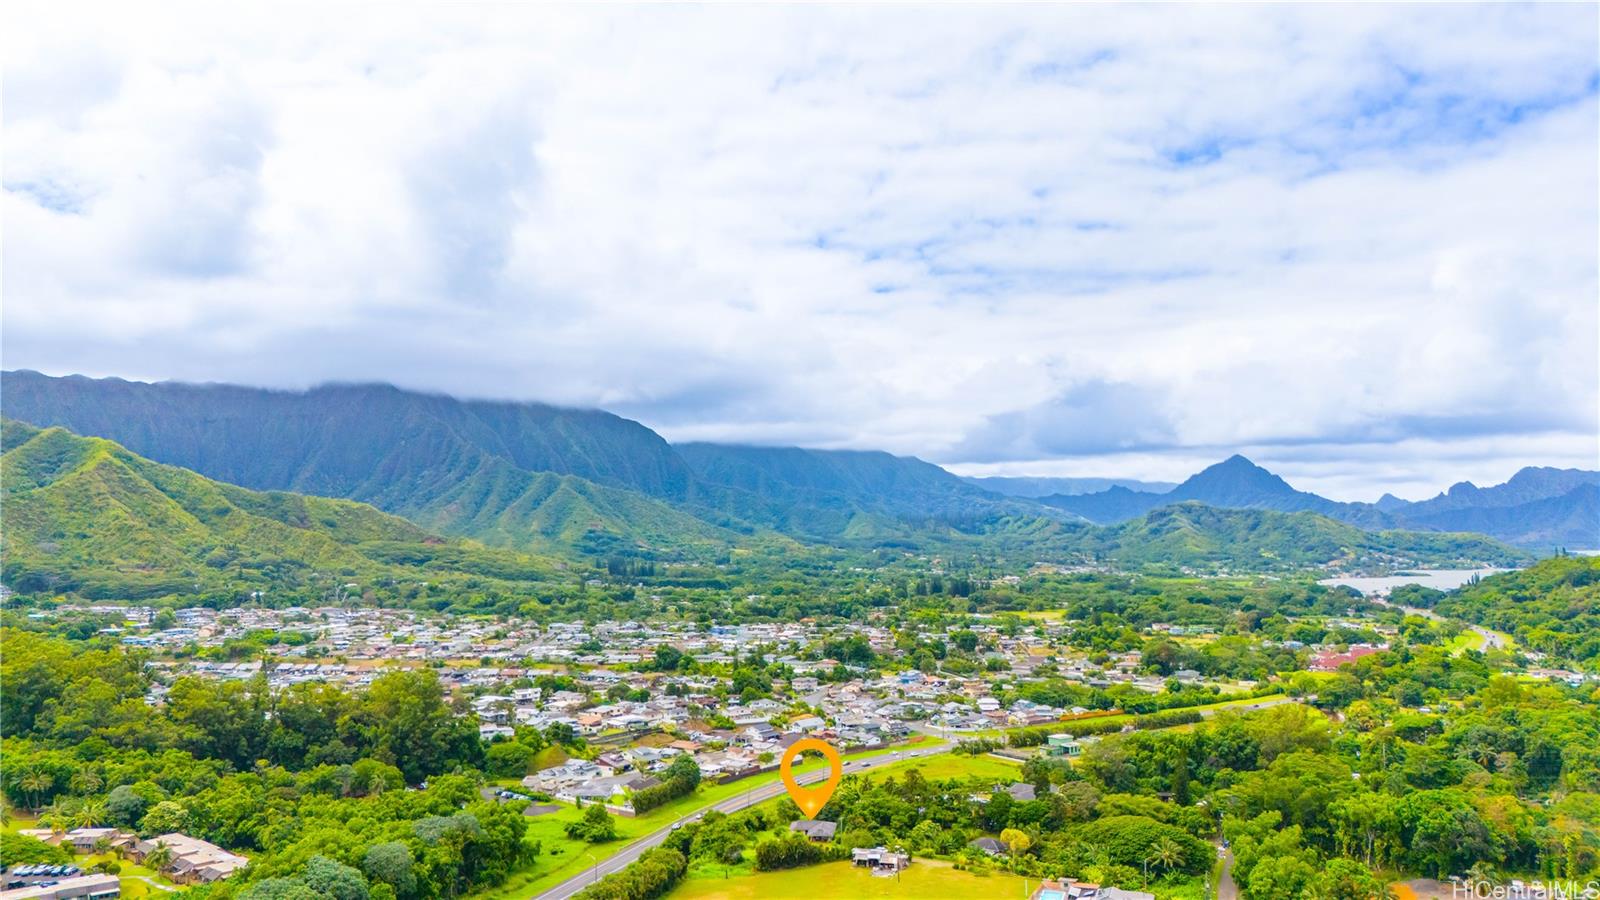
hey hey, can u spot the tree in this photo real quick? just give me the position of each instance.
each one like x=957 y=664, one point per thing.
x=684 y=768
x=35 y=784
x=159 y=857
x=509 y=759
x=391 y=863
x=1275 y=877
x=668 y=658
x=90 y=814
x=279 y=889
x=86 y=781
x=334 y=880
x=1016 y=841
x=415 y=729
x=1167 y=854
x=786 y=852
x=19 y=849
x=1346 y=879
x=165 y=817
x=596 y=826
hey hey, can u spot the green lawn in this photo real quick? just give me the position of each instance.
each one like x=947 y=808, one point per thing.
x=561 y=857
x=924 y=879
x=132 y=876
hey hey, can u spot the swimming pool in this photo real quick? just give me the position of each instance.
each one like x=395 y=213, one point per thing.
x=1049 y=894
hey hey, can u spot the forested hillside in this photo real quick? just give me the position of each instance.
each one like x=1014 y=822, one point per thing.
x=84 y=515
x=591 y=487
x=1552 y=606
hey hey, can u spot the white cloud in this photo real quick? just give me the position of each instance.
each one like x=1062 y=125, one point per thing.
x=1065 y=238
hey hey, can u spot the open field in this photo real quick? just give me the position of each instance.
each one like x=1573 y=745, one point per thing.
x=941 y=768
x=1205 y=709
x=840 y=879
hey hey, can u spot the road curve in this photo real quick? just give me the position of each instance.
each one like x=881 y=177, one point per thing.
x=751 y=797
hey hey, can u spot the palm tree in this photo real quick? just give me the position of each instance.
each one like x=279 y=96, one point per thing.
x=90 y=814
x=56 y=821
x=159 y=857
x=86 y=782
x=1167 y=853
x=35 y=783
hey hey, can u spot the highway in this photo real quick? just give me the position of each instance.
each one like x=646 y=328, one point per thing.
x=764 y=792
x=1492 y=640
x=755 y=795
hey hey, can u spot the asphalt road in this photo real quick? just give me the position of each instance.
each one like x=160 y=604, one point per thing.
x=1491 y=640
x=753 y=796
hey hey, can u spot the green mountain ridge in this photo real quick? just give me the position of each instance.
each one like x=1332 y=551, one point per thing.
x=86 y=515
x=586 y=485
x=484 y=470
x=1192 y=533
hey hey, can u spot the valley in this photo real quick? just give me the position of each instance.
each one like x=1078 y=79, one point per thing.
x=510 y=651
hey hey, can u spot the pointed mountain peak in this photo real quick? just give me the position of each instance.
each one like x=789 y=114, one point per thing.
x=1389 y=503
x=1236 y=481
x=1237 y=468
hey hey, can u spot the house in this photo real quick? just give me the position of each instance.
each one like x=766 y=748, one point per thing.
x=817 y=830
x=989 y=845
x=881 y=860
x=83 y=887
x=1083 y=890
x=191 y=860
x=1062 y=745
x=1330 y=661
x=1022 y=792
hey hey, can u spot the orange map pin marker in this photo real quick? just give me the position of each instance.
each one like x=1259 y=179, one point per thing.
x=811 y=800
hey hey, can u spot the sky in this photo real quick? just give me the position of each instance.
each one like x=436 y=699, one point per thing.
x=1356 y=243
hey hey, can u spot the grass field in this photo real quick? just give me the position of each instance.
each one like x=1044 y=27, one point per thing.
x=1472 y=639
x=947 y=766
x=1118 y=718
x=925 y=879
x=561 y=857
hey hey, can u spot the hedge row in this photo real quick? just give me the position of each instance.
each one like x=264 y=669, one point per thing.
x=652 y=875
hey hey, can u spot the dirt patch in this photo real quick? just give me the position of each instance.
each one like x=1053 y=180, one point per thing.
x=1421 y=889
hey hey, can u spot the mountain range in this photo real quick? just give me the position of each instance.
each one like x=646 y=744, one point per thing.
x=547 y=480
x=1034 y=487
x=1537 y=507
x=86 y=515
